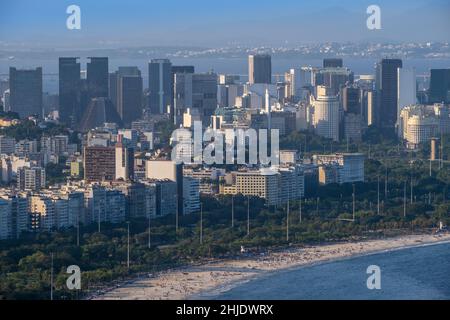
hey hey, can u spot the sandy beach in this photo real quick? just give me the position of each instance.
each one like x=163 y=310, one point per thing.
x=210 y=279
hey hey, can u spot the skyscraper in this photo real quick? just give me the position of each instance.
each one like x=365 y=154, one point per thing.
x=387 y=85
x=406 y=94
x=351 y=100
x=439 y=86
x=160 y=85
x=259 y=68
x=126 y=93
x=69 y=91
x=326 y=113
x=195 y=90
x=97 y=77
x=332 y=63
x=26 y=91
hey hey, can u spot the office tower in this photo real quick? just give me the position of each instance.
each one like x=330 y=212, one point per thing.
x=387 y=85
x=332 y=63
x=326 y=113
x=334 y=78
x=30 y=178
x=97 y=77
x=196 y=91
x=99 y=163
x=228 y=78
x=406 y=92
x=160 y=85
x=26 y=91
x=126 y=90
x=99 y=111
x=182 y=69
x=351 y=99
x=69 y=91
x=227 y=94
x=259 y=68
x=353 y=117
x=298 y=83
x=439 y=86
x=124 y=161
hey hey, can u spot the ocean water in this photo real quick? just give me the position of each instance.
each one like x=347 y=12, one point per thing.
x=413 y=273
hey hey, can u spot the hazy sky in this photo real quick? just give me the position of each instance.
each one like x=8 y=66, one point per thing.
x=215 y=23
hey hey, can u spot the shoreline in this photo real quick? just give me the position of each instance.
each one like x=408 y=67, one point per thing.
x=207 y=280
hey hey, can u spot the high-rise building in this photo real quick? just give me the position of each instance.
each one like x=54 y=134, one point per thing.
x=182 y=69
x=439 y=86
x=125 y=90
x=191 y=195
x=160 y=84
x=326 y=113
x=69 y=91
x=351 y=99
x=387 y=85
x=97 y=77
x=99 y=163
x=406 y=93
x=124 y=161
x=259 y=68
x=332 y=63
x=166 y=169
x=26 y=91
x=334 y=78
x=31 y=178
x=196 y=91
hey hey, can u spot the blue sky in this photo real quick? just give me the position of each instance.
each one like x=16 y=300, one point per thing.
x=216 y=23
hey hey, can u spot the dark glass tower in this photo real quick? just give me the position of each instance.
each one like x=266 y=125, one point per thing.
x=26 y=91
x=439 y=86
x=129 y=89
x=97 y=77
x=160 y=84
x=332 y=63
x=259 y=68
x=69 y=91
x=387 y=81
